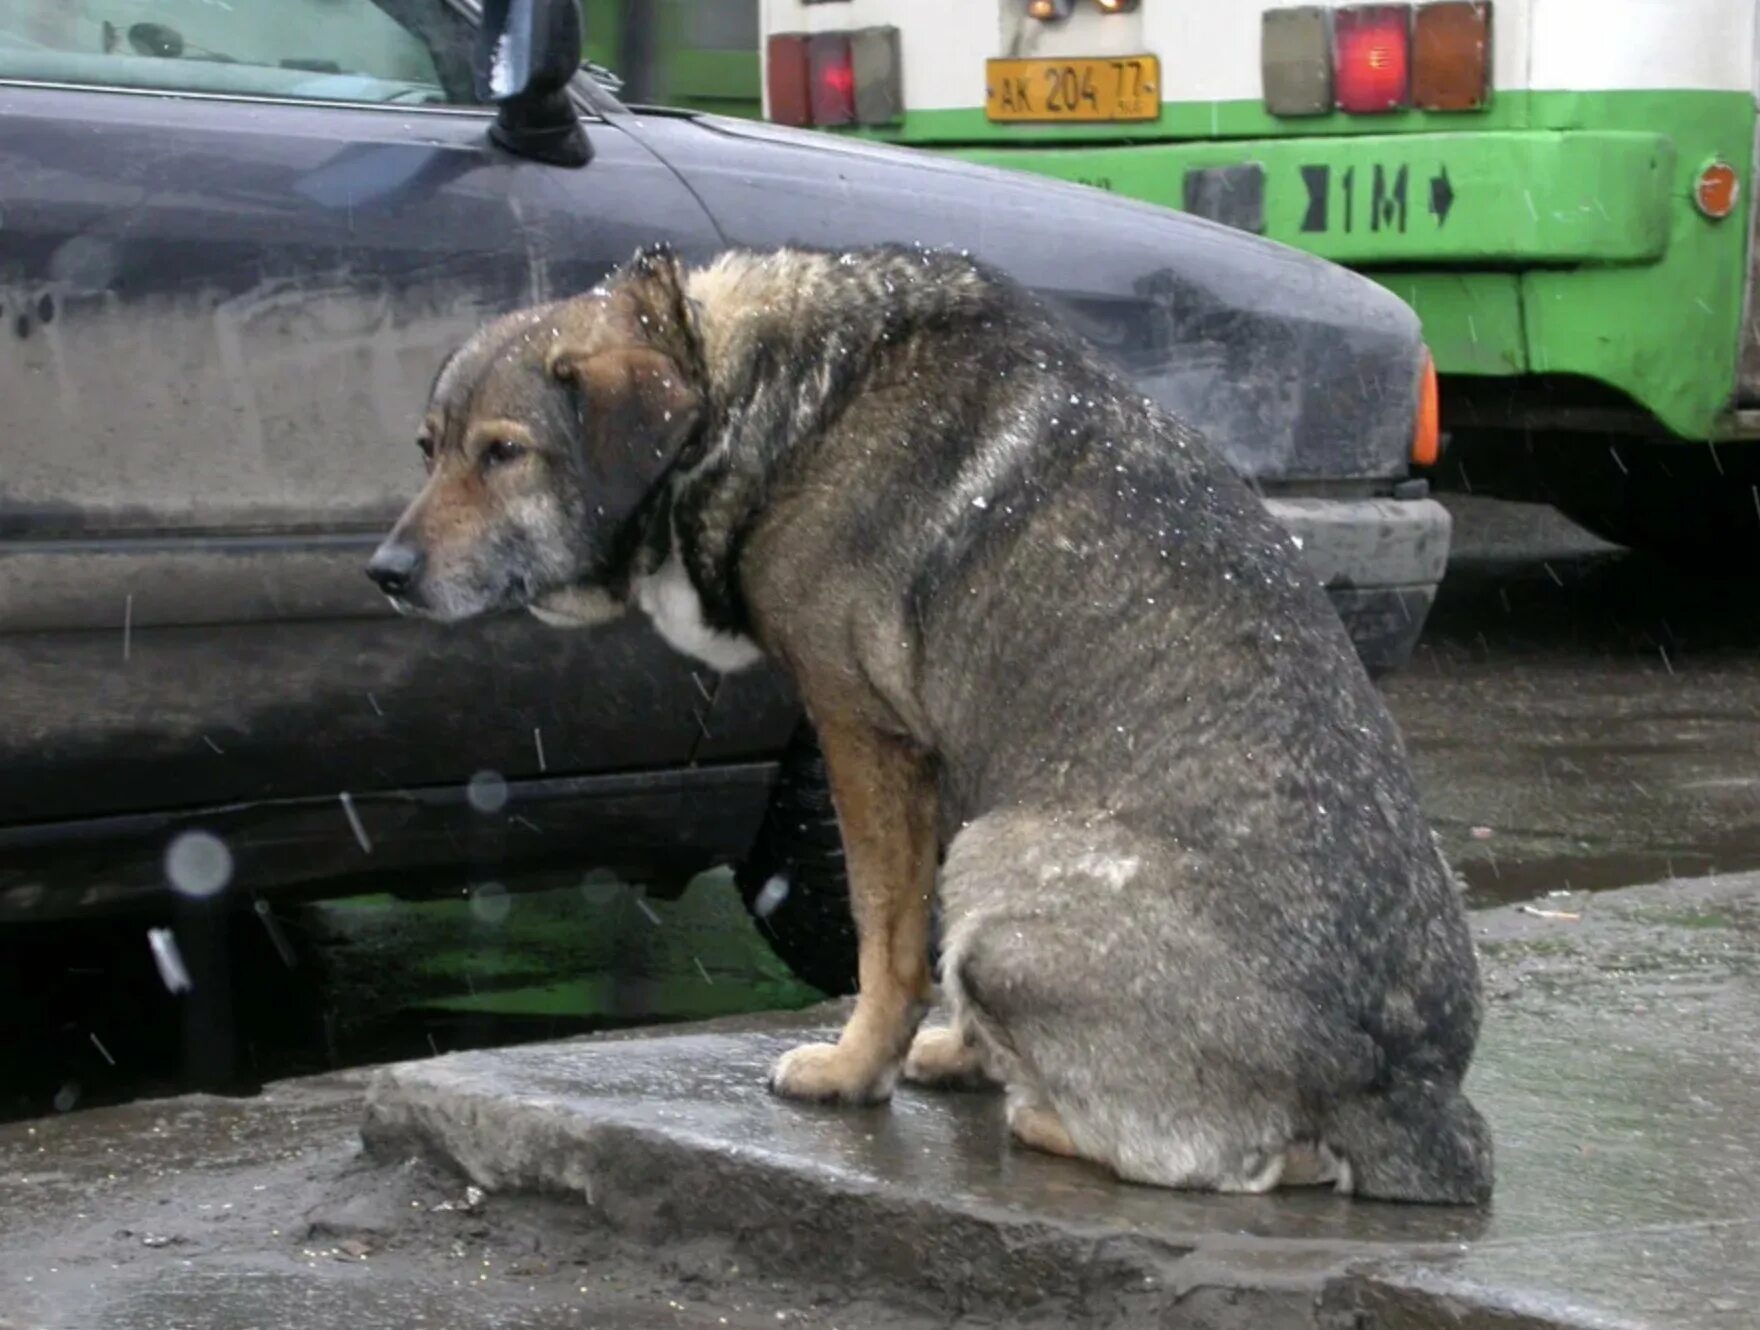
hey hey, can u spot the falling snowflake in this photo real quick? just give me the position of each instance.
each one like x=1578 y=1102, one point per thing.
x=770 y=896
x=198 y=864
x=487 y=792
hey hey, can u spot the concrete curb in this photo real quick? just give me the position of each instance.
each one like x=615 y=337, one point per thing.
x=671 y=1144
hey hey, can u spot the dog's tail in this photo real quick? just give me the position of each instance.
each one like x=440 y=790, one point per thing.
x=1417 y=1141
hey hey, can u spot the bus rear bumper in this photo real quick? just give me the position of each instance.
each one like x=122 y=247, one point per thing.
x=1517 y=197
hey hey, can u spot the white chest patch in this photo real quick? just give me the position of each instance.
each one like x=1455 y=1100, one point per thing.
x=671 y=601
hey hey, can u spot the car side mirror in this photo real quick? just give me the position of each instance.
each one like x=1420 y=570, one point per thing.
x=527 y=53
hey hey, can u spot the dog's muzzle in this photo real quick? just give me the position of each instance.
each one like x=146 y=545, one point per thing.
x=394 y=568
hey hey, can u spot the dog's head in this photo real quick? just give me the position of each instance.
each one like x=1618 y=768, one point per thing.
x=544 y=435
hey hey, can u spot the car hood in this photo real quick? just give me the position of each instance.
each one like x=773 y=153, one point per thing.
x=1294 y=367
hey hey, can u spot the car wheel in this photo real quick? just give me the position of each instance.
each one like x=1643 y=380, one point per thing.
x=793 y=882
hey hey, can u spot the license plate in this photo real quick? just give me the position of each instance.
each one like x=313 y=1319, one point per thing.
x=1125 y=87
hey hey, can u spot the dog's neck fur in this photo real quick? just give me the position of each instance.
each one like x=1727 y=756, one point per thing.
x=755 y=316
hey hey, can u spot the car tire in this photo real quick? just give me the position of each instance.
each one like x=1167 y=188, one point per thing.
x=793 y=882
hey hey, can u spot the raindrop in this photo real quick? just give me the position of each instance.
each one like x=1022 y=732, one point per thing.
x=354 y=822
x=283 y=948
x=198 y=864
x=770 y=896
x=490 y=903
x=487 y=792
x=601 y=887
x=169 y=960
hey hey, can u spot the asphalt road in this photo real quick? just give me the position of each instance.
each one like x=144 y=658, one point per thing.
x=259 y=1214
x=1580 y=717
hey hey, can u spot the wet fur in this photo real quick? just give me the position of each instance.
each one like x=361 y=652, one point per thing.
x=1193 y=917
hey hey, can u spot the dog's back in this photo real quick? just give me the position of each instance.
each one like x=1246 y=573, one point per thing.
x=1191 y=903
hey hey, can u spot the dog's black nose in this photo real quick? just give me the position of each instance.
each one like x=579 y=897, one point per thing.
x=394 y=567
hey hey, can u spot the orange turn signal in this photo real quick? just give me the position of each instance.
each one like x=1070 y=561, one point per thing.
x=1451 y=55
x=1427 y=432
x=1716 y=190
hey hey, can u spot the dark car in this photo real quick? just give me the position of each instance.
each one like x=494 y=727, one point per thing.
x=237 y=240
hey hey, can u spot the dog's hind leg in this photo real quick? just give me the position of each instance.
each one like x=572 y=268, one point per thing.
x=884 y=792
x=1417 y=1141
x=1035 y=1124
x=947 y=1058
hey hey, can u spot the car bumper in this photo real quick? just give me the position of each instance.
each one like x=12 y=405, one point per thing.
x=1380 y=561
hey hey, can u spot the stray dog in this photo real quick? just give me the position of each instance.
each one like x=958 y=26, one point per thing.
x=1194 y=920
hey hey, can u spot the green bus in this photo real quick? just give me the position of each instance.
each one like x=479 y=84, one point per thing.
x=1557 y=187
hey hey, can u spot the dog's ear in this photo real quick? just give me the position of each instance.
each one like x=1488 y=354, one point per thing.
x=657 y=263
x=635 y=409
x=662 y=313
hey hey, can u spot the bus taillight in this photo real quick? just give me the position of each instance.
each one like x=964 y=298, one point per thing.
x=785 y=78
x=1451 y=50
x=1372 y=57
x=826 y=79
x=833 y=77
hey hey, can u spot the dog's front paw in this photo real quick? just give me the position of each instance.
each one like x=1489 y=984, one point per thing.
x=830 y=1073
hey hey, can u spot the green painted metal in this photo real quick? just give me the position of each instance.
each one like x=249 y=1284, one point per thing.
x=1472 y=320
x=722 y=82
x=1571 y=244
x=1525 y=198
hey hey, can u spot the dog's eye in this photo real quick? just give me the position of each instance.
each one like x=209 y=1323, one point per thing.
x=499 y=452
x=427 y=446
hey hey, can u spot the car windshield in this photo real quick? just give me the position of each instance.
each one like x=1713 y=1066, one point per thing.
x=311 y=49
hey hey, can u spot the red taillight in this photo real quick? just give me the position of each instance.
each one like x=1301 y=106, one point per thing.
x=833 y=79
x=1372 y=58
x=785 y=61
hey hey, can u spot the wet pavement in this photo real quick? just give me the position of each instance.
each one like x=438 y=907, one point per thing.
x=647 y=1179
x=1619 y=1070
x=1580 y=717
x=260 y=1214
